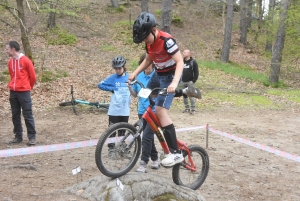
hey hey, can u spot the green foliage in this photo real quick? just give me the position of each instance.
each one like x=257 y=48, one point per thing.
x=120 y=9
x=123 y=30
x=238 y=70
x=107 y=48
x=4 y=77
x=166 y=197
x=177 y=20
x=5 y=72
x=59 y=36
x=62 y=7
x=48 y=76
x=291 y=94
x=244 y=100
x=158 y=12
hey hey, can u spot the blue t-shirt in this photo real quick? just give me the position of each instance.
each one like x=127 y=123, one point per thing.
x=120 y=100
x=143 y=102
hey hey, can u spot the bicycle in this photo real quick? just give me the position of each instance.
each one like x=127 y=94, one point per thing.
x=74 y=102
x=191 y=173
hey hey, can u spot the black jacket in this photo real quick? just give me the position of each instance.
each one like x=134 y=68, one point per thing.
x=190 y=71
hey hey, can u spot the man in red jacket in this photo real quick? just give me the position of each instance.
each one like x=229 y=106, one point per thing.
x=22 y=80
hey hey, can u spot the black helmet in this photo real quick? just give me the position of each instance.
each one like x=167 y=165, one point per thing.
x=118 y=62
x=143 y=26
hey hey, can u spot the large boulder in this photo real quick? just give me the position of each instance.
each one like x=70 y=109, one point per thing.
x=136 y=186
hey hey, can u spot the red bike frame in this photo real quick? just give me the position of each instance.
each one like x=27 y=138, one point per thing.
x=155 y=125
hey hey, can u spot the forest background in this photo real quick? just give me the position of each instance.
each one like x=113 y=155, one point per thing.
x=73 y=43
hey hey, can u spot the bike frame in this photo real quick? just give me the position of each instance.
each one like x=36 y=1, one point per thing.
x=150 y=117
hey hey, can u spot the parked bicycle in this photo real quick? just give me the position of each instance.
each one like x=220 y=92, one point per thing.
x=191 y=173
x=74 y=102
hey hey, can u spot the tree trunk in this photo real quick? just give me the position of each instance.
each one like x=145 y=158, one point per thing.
x=24 y=36
x=144 y=5
x=243 y=22
x=166 y=16
x=51 y=23
x=249 y=13
x=228 y=30
x=270 y=21
x=114 y=3
x=223 y=15
x=279 y=43
x=260 y=14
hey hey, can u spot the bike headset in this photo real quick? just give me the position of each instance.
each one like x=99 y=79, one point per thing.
x=142 y=27
x=119 y=62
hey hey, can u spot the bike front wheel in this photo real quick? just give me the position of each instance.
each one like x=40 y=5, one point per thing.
x=117 y=151
x=192 y=179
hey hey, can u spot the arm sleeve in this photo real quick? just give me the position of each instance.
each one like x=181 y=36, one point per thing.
x=106 y=85
x=31 y=73
x=196 y=71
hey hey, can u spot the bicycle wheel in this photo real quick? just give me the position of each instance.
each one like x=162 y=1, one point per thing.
x=117 y=152
x=192 y=179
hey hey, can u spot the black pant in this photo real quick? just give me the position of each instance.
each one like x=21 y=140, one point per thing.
x=114 y=120
x=21 y=101
x=148 y=145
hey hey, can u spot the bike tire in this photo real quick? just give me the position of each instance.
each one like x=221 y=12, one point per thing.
x=122 y=159
x=69 y=103
x=185 y=177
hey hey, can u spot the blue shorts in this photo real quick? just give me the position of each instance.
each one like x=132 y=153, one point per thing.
x=164 y=81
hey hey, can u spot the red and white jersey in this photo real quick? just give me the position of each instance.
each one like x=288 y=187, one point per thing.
x=161 y=52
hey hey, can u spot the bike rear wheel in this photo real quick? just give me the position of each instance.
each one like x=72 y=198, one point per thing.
x=192 y=179
x=70 y=103
x=117 y=161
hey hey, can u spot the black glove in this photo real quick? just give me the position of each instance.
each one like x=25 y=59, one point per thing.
x=112 y=91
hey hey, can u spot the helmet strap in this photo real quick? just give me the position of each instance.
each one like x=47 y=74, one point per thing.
x=153 y=35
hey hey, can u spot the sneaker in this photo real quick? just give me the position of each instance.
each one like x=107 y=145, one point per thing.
x=172 y=159
x=142 y=168
x=186 y=111
x=31 y=142
x=191 y=91
x=192 y=112
x=156 y=164
x=16 y=141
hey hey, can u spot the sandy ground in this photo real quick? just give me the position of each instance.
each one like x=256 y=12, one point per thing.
x=237 y=171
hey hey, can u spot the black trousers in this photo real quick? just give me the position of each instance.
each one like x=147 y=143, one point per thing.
x=148 y=145
x=21 y=102
x=113 y=120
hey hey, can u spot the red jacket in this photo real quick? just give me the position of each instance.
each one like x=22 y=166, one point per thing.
x=22 y=74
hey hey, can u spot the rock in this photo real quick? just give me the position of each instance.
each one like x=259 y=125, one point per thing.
x=138 y=187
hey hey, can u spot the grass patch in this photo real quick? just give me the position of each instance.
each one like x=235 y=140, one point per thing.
x=124 y=31
x=107 y=48
x=221 y=98
x=48 y=76
x=240 y=71
x=292 y=95
x=60 y=36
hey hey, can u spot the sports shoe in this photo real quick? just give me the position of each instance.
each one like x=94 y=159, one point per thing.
x=16 y=141
x=191 y=91
x=142 y=168
x=192 y=112
x=31 y=142
x=186 y=111
x=172 y=159
x=155 y=164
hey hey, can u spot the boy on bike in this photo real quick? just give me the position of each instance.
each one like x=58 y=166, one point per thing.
x=162 y=50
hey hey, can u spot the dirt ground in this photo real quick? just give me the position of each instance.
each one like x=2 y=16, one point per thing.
x=237 y=171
